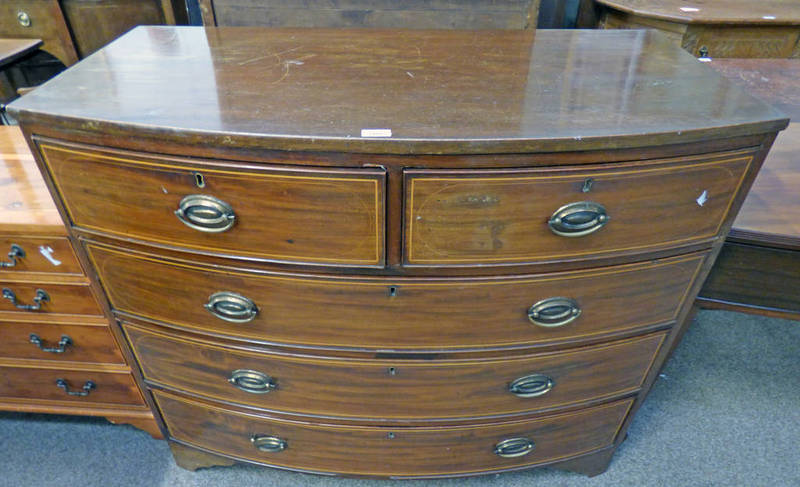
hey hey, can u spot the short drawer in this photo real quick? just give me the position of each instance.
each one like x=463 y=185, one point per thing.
x=61 y=342
x=395 y=314
x=37 y=254
x=399 y=389
x=297 y=215
x=383 y=451
x=518 y=216
x=47 y=297
x=74 y=386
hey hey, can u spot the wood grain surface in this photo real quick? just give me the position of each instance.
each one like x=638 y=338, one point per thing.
x=26 y=206
x=324 y=216
x=397 y=390
x=423 y=314
x=773 y=12
x=88 y=343
x=437 y=91
x=417 y=452
x=499 y=217
x=38 y=383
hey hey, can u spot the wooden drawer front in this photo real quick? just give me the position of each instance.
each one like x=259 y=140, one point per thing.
x=62 y=298
x=46 y=23
x=40 y=384
x=400 y=389
x=422 y=313
x=419 y=451
x=88 y=344
x=501 y=216
x=62 y=259
x=320 y=216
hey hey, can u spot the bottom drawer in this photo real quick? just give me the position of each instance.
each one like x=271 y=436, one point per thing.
x=395 y=452
x=28 y=383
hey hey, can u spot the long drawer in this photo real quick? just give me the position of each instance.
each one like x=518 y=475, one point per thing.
x=275 y=213
x=411 y=452
x=61 y=342
x=492 y=217
x=400 y=389
x=37 y=254
x=47 y=297
x=395 y=314
x=81 y=386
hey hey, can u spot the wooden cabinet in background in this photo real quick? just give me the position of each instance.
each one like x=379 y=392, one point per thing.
x=73 y=29
x=57 y=352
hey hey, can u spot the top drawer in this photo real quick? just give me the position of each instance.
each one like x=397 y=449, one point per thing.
x=259 y=212
x=518 y=216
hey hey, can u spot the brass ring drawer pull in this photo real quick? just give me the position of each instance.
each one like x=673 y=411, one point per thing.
x=268 y=444
x=578 y=219
x=533 y=385
x=41 y=297
x=205 y=213
x=23 y=18
x=554 y=312
x=87 y=388
x=514 y=447
x=252 y=381
x=232 y=307
x=62 y=344
x=16 y=253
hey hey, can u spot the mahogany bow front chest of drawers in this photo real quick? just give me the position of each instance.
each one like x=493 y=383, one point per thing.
x=397 y=253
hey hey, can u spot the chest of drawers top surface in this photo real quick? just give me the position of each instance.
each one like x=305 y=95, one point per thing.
x=438 y=92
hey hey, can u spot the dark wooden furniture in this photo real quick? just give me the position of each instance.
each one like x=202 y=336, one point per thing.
x=758 y=270
x=73 y=29
x=57 y=355
x=465 y=14
x=715 y=28
x=397 y=253
x=11 y=52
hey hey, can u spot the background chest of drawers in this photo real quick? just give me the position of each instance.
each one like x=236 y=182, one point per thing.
x=485 y=290
x=57 y=353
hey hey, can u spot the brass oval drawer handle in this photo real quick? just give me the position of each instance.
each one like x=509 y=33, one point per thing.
x=268 y=444
x=232 y=307
x=533 y=385
x=205 y=213
x=554 y=312
x=514 y=447
x=87 y=388
x=62 y=344
x=252 y=381
x=17 y=252
x=41 y=297
x=578 y=219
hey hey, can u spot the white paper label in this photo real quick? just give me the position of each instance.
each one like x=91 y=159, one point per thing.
x=376 y=132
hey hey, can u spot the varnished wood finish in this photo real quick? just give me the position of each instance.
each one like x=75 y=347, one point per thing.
x=405 y=390
x=94 y=24
x=321 y=311
x=29 y=219
x=192 y=458
x=35 y=249
x=437 y=14
x=64 y=298
x=499 y=217
x=725 y=28
x=619 y=94
x=458 y=103
x=758 y=270
x=46 y=23
x=26 y=206
x=112 y=387
x=89 y=343
x=324 y=216
x=13 y=49
x=418 y=452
